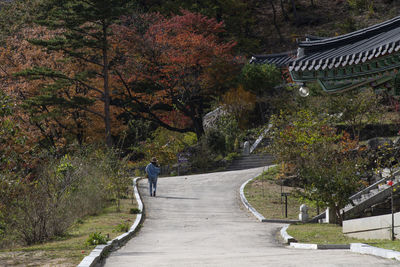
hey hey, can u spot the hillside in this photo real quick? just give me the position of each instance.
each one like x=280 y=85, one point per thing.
x=326 y=18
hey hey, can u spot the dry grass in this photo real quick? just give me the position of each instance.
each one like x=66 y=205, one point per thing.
x=71 y=249
x=264 y=194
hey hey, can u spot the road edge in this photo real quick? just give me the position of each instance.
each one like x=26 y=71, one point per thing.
x=353 y=247
x=101 y=251
x=248 y=206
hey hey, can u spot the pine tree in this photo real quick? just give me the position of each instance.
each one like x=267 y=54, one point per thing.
x=83 y=30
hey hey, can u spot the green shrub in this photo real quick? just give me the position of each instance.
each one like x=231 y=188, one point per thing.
x=138 y=173
x=65 y=190
x=122 y=227
x=201 y=158
x=2 y=229
x=96 y=238
x=134 y=211
x=361 y=5
x=216 y=141
x=259 y=78
x=232 y=156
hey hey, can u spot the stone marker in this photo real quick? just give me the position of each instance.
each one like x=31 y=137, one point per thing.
x=246 y=148
x=303 y=216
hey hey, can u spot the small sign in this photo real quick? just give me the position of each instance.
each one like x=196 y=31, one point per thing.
x=183 y=157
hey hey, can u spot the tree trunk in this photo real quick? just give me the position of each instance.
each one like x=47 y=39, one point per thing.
x=260 y=106
x=274 y=18
x=294 y=10
x=198 y=127
x=339 y=218
x=284 y=11
x=107 y=120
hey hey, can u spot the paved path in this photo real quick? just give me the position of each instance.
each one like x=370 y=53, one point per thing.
x=199 y=221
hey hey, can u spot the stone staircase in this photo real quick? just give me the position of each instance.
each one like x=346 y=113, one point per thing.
x=372 y=195
x=251 y=161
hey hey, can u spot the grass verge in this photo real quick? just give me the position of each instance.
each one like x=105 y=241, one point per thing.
x=72 y=248
x=264 y=194
x=320 y=234
x=332 y=234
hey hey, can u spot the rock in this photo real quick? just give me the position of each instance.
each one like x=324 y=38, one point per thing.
x=211 y=118
x=377 y=142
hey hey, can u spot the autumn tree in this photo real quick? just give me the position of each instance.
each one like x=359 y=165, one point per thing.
x=327 y=161
x=50 y=116
x=239 y=17
x=83 y=36
x=172 y=65
x=262 y=80
x=15 y=15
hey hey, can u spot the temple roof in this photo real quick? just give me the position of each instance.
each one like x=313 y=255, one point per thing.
x=352 y=48
x=279 y=60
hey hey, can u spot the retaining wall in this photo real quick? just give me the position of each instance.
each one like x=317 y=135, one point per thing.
x=375 y=227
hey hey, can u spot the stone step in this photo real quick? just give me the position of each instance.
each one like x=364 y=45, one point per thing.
x=251 y=161
x=366 y=201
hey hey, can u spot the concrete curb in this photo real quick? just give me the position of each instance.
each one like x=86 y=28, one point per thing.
x=286 y=237
x=247 y=204
x=381 y=252
x=353 y=247
x=304 y=246
x=100 y=251
x=293 y=242
x=318 y=246
x=254 y=211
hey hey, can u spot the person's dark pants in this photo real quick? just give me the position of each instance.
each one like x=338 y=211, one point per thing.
x=152 y=186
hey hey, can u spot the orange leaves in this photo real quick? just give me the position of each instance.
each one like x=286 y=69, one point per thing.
x=347 y=143
x=52 y=119
x=238 y=100
x=167 y=62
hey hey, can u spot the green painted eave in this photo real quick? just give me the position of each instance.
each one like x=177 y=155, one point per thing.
x=376 y=72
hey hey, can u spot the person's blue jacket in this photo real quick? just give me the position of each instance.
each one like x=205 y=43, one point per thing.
x=152 y=171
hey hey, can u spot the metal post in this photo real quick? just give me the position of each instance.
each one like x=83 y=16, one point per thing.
x=286 y=202
x=391 y=194
x=281 y=194
x=285 y=205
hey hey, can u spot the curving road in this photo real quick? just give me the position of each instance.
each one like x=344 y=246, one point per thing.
x=199 y=220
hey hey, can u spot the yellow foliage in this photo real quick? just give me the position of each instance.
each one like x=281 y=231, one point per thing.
x=239 y=102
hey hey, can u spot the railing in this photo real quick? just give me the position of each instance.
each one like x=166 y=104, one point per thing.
x=374 y=185
x=260 y=138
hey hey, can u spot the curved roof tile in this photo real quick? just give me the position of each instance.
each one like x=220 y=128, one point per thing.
x=279 y=60
x=351 y=48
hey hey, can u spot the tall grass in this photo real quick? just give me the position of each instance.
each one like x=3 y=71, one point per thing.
x=63 y=190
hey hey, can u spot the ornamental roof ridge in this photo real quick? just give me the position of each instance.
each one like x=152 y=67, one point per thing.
x=352 y=48
x=279 y=59
x=322 y=44
x=286 y=53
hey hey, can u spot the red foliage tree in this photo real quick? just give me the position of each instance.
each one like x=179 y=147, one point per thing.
x=172 y=66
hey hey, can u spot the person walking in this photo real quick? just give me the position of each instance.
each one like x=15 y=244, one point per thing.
x=153 y=170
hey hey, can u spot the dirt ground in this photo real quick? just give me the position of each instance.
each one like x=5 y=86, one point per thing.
x=36 y=258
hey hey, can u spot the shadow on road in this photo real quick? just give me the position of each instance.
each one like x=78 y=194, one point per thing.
x=194 y=198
